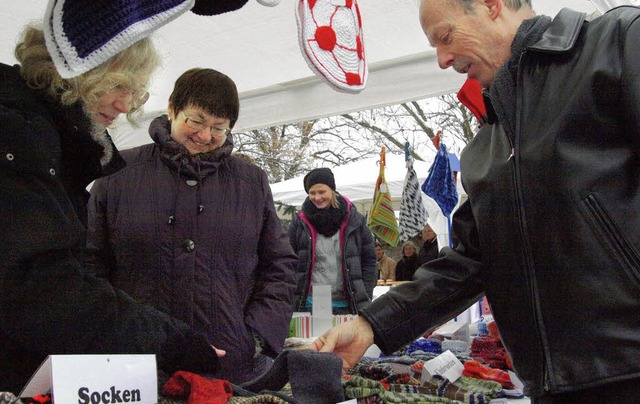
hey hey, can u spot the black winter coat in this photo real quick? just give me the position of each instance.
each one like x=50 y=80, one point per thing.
x=551 y=229
x=406 y=267
x=203 y=244
x=48 y=304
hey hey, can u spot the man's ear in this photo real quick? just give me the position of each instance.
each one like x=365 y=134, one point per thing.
x=170 y=110
x=494 y=7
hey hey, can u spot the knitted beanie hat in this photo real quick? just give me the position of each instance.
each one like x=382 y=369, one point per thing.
x=321 y=175
x=331 y=40
x=215 y=7
x=82 y=34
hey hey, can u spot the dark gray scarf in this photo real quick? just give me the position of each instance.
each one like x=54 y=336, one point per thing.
x=176 y=155
x=503 y=88
x=326 y=221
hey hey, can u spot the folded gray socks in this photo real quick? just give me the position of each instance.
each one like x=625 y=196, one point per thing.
x=315 y=377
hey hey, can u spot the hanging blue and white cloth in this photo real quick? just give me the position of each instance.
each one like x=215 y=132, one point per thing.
x=440 y=184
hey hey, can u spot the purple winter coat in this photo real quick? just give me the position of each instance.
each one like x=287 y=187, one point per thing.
x=198 y=238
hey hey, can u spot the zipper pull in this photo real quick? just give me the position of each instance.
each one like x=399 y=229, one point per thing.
x=513 y=153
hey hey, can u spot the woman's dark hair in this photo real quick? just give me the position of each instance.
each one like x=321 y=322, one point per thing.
x=208 y=89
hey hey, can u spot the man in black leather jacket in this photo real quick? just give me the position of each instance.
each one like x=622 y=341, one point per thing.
x=551 y=229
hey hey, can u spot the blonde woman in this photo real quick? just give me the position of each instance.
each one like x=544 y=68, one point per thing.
x=53 y=143
x=334 y=245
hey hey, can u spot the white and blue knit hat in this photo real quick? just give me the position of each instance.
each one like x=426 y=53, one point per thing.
x=82 y=34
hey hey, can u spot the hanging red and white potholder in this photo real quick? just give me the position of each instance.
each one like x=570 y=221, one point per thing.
x=331 y=41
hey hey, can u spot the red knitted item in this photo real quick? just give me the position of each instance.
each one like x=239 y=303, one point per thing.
x=489 y=350
x=479 y=371
x=198 y=389
x=41 y=399
x=471 y=96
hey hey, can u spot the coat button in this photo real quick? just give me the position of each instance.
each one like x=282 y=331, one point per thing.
x=52 y=171
x=9 y=156
x=192 y=183
x=189 y=245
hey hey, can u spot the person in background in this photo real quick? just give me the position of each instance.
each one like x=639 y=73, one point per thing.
x=429 y=250
x=53 y=143
x=334 y=245
x=386 y=265
x=551 y=229
x=406 y=267
x=192 y=230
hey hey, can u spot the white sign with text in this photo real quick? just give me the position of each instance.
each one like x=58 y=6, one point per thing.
x=96 y=379
x=322 y=318
x=446 y=365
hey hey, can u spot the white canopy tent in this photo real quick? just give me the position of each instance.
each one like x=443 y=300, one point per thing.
x=257 y=47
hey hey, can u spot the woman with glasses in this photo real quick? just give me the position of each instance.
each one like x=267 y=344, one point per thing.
x=191 y=229
x=53 y=143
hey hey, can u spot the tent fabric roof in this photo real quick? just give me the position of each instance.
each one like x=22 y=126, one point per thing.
x=258 y=48
x=356 y=180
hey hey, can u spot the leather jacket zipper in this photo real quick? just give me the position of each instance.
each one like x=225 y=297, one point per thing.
x=529 y=267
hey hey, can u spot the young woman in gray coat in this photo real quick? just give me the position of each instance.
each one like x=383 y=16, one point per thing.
x=335 y=247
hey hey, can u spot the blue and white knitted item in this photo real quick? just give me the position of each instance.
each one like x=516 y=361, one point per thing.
x=83 y=34
x=440 y=184
x=413 y=215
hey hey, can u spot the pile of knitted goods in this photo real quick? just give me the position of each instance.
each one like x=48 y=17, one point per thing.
x=489 y=350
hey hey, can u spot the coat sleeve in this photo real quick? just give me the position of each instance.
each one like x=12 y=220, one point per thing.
x=48 y=303
x=100 y=259
x=269 y=312
x=368 y=259
x=440 y=290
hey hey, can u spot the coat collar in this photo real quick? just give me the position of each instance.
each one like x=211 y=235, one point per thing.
x=563 y=32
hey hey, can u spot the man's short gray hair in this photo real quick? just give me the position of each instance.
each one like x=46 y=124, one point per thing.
x=514 y=5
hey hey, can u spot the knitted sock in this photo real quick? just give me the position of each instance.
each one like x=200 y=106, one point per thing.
x=198 y=389
x=273 y=379
x=479 y=371
x=488 y=388
x=316 y=377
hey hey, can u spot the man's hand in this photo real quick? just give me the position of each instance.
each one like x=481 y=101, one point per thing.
x=349 y=340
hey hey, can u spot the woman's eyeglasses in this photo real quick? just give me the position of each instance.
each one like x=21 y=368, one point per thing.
x=198 y=125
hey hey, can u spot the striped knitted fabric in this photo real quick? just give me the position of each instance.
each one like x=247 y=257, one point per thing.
x=439 y=387
x=487 y=388
x=413 y=215
x=489 y=350
x=357 y=387
x=482 y=372
x=425 y=344
x=83 y=34
x=456 y=347
x=258 y=399
x=382 y=218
